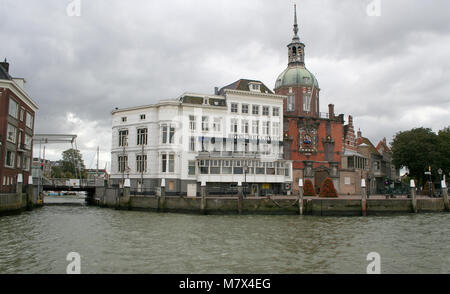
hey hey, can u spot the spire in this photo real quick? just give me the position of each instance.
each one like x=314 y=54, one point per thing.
x=295 y=21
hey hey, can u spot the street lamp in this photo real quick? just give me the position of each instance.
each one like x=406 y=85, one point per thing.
x=429 y=174
x=245 y=179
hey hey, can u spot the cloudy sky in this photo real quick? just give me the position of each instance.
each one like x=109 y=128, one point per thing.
x=391 y=72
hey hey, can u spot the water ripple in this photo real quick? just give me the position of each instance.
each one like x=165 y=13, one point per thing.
x=111 y=241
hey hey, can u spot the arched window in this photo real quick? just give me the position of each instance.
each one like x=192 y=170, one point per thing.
x=294 y=50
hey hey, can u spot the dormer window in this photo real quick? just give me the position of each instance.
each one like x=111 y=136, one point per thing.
x=255 y=87
x=142 y=116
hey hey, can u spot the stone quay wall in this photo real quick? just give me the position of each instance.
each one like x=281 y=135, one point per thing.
x=113 y=198
x=12 y=203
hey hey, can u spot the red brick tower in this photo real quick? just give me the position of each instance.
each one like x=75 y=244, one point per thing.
x=312 y=140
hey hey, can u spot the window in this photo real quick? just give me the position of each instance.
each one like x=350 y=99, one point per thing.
x=290 y=102
x=163 y=163
x=234 y=107
x=265 y=110
x=141 y=163
x=191 y=168
x=13 y=108
x=204 y=166
x=245 y=126
x=29 y=121
x=307 y=101
x=266 y=128
x=234 y=125
x=142 y=116
x=167 y=163
x=217 y=124
x=192 y=122
x=276 y=111
x=255 y=109
x=26 y=163
x=11 y=135
x=192 y=144
x=275 y=128
x=142 y=136
x=124 y=119
x=19 y=139
x=205 y=144
x=215 y=167
x=255 y=127
x=164 y=134
x=205 y=123
x=244 y=108
x=317 y=102
x=123 y=138
x=226 y=167
x=254 y=87
x=123 y=163
x=172 y=135
x=19 y=160
x=350 y=162
x=22 y=114
x=28 y=140
x=347 y=180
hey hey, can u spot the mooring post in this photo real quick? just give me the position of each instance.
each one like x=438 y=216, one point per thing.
x=412 y=186
x=363 y=197
x=240 y=197
x=162 y=199
x=19 y=186
x=30 y=193
x=300 y=196
x=445 y=195
x=203 y=194
x=126 y=193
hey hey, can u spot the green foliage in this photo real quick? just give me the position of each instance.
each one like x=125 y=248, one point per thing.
x=308 y=189
x=420 y=148
x=57 y=172
x=72 y=163
x=327 y=189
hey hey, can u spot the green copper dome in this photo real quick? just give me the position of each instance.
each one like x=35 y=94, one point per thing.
x=296 y=75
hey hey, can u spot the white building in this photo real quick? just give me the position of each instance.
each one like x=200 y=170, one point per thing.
x=223 y=139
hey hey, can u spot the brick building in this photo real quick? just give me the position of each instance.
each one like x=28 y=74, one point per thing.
x=312 y=140
x=17 y=113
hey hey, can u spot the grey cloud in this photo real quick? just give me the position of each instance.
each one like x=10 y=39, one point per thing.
x=122 y=53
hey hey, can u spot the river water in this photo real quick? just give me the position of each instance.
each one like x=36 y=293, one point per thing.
x=111 y=241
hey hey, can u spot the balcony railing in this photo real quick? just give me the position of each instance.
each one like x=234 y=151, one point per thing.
x=238 y=154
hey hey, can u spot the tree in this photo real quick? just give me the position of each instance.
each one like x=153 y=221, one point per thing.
x=308 y=189
x=327 y=189
x=72 y=163
x=416 y=150
x=443 y=148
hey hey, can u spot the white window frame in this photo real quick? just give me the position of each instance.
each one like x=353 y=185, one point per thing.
x=15 y=111
x=13 y=138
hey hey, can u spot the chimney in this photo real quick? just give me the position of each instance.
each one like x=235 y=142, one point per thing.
x=216 y=90
x=5 y=65
x=350 y=120
x=359 y=133
x=331 y=110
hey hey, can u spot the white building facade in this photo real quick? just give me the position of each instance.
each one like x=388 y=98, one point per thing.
x=224 y=140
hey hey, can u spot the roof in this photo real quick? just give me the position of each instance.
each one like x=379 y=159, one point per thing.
x=243 y=85
x=382 y=144
x=363 y=140
x=4 y=75
x=297 y=75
